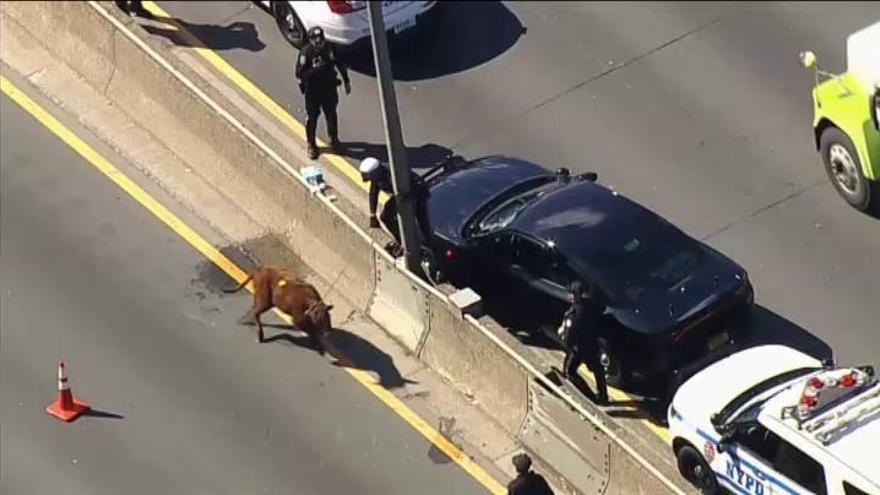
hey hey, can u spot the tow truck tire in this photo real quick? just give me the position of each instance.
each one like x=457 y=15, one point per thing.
x=696 y=470
x=289 y=23
x=844 y=168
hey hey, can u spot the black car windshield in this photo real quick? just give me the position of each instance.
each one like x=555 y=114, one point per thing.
x=626 y=259
x=503 y=215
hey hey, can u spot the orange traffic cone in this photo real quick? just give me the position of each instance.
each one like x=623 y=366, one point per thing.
x=66 y=407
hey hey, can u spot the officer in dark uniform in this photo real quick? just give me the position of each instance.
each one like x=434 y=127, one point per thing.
x=316 y=69
x=379 y=176
x=527 y=482
x=583 y=323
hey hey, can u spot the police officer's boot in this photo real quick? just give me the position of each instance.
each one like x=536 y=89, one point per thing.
x=313 y=152
x=333 y=129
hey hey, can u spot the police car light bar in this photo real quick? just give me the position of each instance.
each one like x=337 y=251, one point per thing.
x=864 y=407
x=833 y=378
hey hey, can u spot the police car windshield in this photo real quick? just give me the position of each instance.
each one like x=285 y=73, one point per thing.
x=744 y=398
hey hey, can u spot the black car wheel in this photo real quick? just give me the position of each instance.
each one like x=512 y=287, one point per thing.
x=694 y=468
x=844 y=168
x=432 y=273
x=615 y=373
x=290 y=25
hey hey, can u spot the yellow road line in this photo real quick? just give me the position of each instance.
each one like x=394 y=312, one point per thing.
x=255 y=93
x=617 y=395
x=210 y=252
x=276 y=110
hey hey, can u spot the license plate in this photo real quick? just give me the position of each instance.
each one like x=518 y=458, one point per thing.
x=403 y=26
x=718 y=340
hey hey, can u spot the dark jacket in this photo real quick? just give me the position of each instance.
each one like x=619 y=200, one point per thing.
x=380 y=180
x=584 y=321
x=530 y=483
x=316 y=70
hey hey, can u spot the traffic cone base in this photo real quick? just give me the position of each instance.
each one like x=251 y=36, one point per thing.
x=67 y=415
x=66 y=407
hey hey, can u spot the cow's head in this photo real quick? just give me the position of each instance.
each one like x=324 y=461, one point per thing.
x=319 y=315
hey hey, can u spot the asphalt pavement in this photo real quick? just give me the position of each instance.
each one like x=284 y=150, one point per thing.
x=184 y=399
x=700 y=111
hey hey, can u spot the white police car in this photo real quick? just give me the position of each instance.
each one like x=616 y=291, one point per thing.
x=343 y=22
x=772 y=420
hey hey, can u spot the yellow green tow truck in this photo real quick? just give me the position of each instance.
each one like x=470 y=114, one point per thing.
x=846 y=119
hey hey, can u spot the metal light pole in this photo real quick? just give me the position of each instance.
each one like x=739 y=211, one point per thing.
x=400 y=173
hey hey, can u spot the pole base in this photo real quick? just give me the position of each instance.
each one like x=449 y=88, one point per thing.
x=67 y=415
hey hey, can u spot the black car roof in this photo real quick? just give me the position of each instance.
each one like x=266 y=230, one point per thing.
x=597 y=229
x=582 y=213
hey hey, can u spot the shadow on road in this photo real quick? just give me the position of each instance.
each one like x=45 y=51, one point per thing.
x=768 y=327
x=452 y=37
x=348 y=350
x=237 y=35
x=96 y=413
x=352 y=351
x=421 y=157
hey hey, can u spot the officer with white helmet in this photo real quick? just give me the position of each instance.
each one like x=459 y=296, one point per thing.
x=378 y=175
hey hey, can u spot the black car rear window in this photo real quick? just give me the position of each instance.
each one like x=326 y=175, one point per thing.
x=628 y=258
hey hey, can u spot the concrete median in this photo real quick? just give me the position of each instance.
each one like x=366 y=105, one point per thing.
x=475 y=364
x=400 y=303
x=481 y=358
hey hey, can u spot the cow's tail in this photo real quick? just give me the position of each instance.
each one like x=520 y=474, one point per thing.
x=240 y=286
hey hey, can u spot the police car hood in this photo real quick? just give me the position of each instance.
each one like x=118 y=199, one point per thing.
x=708 y=391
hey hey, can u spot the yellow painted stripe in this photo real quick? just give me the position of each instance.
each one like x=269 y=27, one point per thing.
x=617 y=395
x=225 y=264
x=251 y=89
x=276 y=110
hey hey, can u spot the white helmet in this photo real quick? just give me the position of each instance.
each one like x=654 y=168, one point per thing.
x=368 y=165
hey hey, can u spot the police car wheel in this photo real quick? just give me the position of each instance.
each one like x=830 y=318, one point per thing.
x=290 y=25
x=844 y=168
x=694 y=468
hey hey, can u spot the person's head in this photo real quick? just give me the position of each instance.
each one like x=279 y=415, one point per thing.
x=368 y=167
x=580 y=291
x=575 y=291
x=316 y=37
x=522 y=463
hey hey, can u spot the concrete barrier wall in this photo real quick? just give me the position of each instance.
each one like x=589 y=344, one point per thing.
x=399 y=303
x=77 y=34
x=476 y=357
x=469 y=359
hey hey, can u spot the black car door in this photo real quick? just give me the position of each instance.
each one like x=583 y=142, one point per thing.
x=541 y=277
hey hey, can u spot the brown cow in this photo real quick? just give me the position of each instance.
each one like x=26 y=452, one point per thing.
x=292 y=295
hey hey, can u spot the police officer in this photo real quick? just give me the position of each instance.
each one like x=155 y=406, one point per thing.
x=316 y=69
x=527 y=482
x=379 y=176
x=583 y=322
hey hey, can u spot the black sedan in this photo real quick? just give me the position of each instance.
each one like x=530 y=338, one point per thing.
x=514 y=227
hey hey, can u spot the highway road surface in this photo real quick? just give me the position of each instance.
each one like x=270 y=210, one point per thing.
x=185 y=401
x=698 y=110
